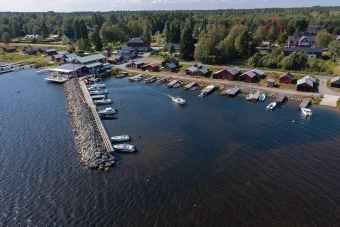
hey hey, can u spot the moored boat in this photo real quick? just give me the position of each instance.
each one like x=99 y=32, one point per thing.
x=107 y=117
x=98 y=96
x=125 y=148
x=249 y=97
x=56 y=79
x=271 y=106
x=193 y=88
x=176 y=85
x=307 y=112
x=121 y=138
x=262 y=97
x=108 y=111
x=102 y=101
x=203 y=93
x=99 y=92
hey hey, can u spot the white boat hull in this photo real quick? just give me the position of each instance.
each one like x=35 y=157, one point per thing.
x=121 y=138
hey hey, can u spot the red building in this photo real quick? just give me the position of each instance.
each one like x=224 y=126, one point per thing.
x=51 y=52
x=304 y=84
x=301 y=41
x=170 y=60
x=152 y=67
x=137 y=64
x=233 y=73
x=286 y=78
x=9 y=49
x=221 y=74
x=249 y=77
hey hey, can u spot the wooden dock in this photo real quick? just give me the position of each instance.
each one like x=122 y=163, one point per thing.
x=6 y=71
x=256 y=96
x=99 y=123
x=280 y=98
x=150 y=79
x=172 y=83
x=305 y=102
x=208 y=89
x=190 y=85
x=231 y=91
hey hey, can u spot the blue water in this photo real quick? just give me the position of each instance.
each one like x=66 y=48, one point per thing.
x=238 y=165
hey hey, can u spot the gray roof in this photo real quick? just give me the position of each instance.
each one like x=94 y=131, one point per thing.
x=58 y=56
x=204 y=70
x=305 y=80
x=172 y=60
x=199 y=64
x=251 y=74
x=176 y=45
x=293 y=38
x=335 y=79
x=71 y=55
x=51 y=50
x=125 y=48
x=90 y=58
x=287 y=74
x=310 y=78
x=258 y=72
x=138 y=62
x=303 y=49
x=70 y=67
x=271 y=80
x=171 y=65
x=234 y=70
x=192 y=69
x=62 y=52
x=137 y=40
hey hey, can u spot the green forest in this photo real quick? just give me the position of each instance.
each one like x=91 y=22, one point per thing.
x=222 y=36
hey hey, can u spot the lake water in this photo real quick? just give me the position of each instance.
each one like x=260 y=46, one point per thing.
x=238 y=165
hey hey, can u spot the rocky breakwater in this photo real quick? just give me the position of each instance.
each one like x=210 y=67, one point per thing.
x=90 y=145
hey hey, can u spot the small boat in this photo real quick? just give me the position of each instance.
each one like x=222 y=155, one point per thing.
x=56 y=79
x=93 y=88
x=137 y=79
x=107 y=117
x=249 y=97
x=176 y=85
x=161 y=81
x=98 y=96
x=262 y=97
x=102 y=101
x=107 y=111
x=99 y=92
x=202 y=94
x=177 y=99
x=121 y=138
x=307 y=112
x=271 y=106
x=193 y=88
x=125 y=148
x=100 y=85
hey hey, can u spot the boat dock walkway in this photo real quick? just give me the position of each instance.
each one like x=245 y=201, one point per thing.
x=99 y=123
x=172 y=83
x=190 y=85
x=305 y=102
x=256 y=96
x=280 y=98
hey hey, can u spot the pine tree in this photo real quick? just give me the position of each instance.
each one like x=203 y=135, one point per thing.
x=171 y=49
x=187 y=46
x=83 y=30
x=76 y=27
x=44 y=30
x=95 y=39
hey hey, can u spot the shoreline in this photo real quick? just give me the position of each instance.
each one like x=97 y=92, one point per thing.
x=90 y=145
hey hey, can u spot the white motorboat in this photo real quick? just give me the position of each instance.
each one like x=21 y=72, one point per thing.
x=137 y=79
x=125 y=148
x=93 y=88
x=307 y=112
x=99 y=92
x=102 y=101
x=107 y=111
x=271 y=106
x=176 y=85
x=100 y=85
x=249 y=97
x=56 y=79
x=262 y=97
x=98 y=96
x=121 y=138
x=203 y=93
x=193 y=88
x=177 y=99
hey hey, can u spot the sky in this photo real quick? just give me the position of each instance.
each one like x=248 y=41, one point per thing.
x=114 y=5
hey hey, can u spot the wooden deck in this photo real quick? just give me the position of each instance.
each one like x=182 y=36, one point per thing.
x=280 y=99
x=172 y=83
x=232 y=91
x=305 y=102
x=208 y=89
x=99 y=123
x=190 y=85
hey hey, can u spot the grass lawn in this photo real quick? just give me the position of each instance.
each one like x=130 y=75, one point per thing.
x=336 y=70
x=156 y=57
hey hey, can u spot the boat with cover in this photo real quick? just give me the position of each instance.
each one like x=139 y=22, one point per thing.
x=262 y=97
x=121 y=138
x=99 y=92
x=271 y=106
x=107 y=111
x=307 y=112
x=102 y=101
x=125 y=148
x=249 y=97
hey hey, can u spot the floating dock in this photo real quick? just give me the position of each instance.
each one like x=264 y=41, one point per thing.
x=172 y=83
x=190 y=85
x=280 y=99
x=161 y=80
x=232 y=91
x=305 y=102
x=256 y=96
x=208 y=89
x=150 y=79
x=6 y=71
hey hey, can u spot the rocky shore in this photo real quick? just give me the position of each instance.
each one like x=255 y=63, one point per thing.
x=90 y=145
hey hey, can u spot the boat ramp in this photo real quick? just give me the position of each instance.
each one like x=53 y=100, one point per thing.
x=172 y=83
x=305 y=102
x=256 y=96
x=231 y=91
x=280 y=98
x=190 y=85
